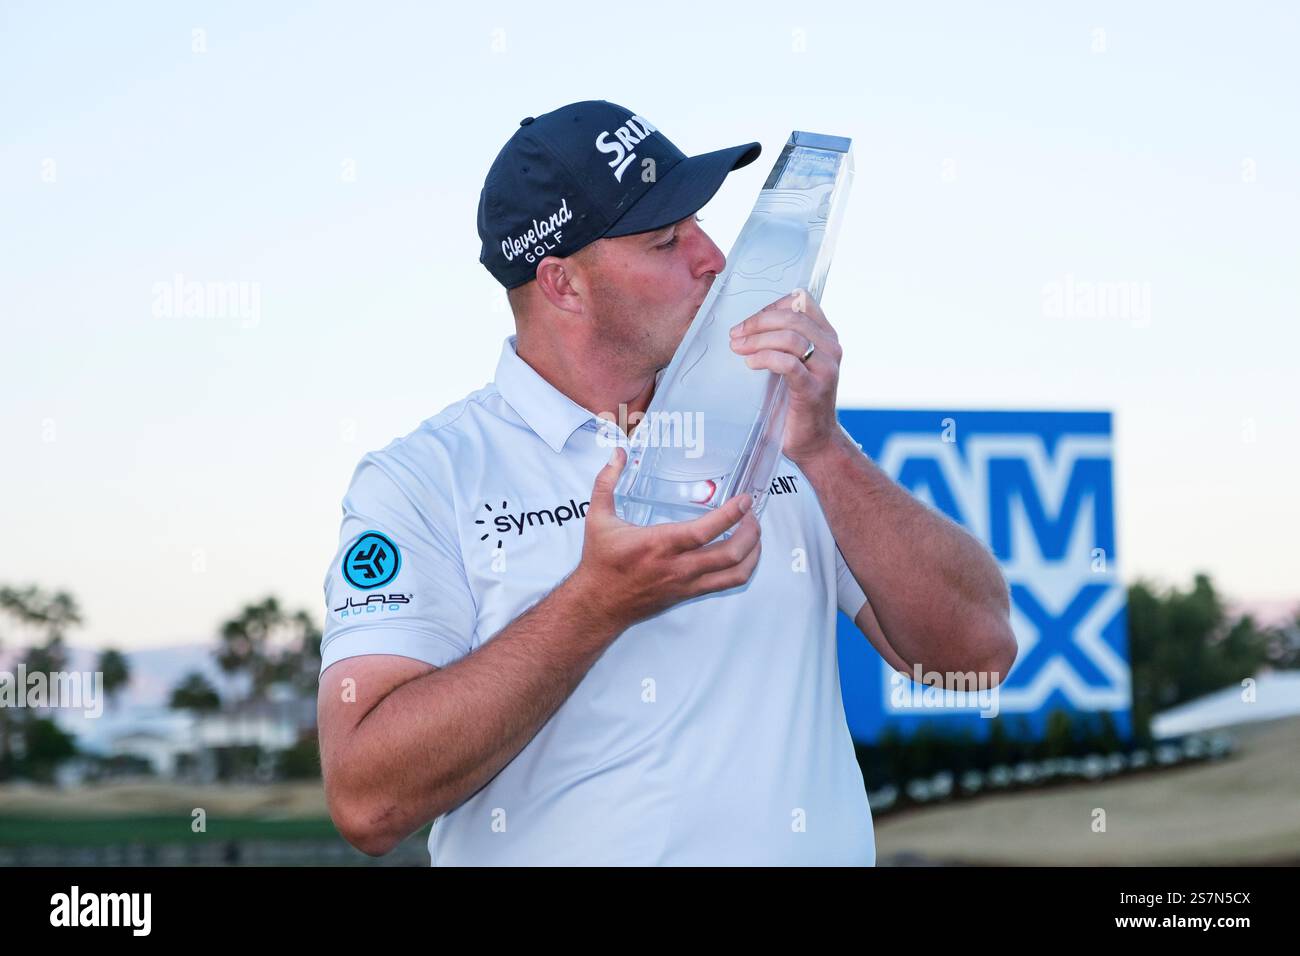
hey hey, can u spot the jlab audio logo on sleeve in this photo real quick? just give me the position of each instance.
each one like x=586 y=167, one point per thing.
x=371 y=562
x=372 y=604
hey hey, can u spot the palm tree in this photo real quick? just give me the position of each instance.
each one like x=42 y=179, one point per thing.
x=31 y=607
x=301 y=663
x=270 y=645
x=194 y=693
x=117 y=673
x=51 y=614
x=48 y=658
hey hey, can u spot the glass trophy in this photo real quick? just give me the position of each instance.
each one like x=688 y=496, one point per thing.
x=714 y=426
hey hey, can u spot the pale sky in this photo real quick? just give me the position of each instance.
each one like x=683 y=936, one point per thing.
x=168 y=469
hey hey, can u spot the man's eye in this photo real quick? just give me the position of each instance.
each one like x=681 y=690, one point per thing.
x=670 y=243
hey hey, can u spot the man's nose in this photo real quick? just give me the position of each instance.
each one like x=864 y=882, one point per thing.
x=709 y=257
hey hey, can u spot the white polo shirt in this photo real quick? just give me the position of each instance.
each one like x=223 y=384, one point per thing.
x=712 y=733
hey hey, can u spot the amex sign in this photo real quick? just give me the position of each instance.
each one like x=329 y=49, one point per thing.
x=1037 y=488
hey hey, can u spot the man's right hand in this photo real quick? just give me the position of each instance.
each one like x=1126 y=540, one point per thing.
x=637 y=572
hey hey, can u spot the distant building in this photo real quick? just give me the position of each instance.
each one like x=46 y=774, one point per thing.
x=1269 y=695
x=180 y=743
x=161 y=750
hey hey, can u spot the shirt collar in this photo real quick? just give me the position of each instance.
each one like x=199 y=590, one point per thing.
x=546 y=410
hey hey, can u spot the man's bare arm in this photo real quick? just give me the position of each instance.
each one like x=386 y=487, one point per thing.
x=394 y=760
x=935 y=591
x=868 y=625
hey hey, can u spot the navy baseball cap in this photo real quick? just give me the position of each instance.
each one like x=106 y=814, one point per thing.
x=584 y=172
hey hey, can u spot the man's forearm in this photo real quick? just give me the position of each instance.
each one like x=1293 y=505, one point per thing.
x=939 y=596
x=434 y=741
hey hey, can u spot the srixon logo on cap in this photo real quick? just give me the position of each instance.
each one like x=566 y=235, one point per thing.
x=625 y=139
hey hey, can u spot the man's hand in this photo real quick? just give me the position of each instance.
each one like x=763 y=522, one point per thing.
x=637 y=572
x=774 y=338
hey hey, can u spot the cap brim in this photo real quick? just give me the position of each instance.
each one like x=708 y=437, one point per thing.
x=683 y=190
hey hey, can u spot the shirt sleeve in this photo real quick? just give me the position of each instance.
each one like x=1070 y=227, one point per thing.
x=851 y=595
x=397 y=583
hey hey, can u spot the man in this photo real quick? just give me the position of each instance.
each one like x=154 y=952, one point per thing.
x=551 y=685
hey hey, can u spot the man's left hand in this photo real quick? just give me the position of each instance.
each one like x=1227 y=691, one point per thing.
x=775 y=338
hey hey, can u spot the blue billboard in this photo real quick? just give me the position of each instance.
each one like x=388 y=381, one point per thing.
x=1038 y=489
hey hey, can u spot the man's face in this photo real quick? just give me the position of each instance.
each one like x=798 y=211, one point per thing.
x=646 y=288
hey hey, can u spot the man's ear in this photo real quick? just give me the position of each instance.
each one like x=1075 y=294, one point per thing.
x=562 y=283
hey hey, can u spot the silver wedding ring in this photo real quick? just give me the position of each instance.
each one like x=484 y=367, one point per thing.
x=808 y=354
